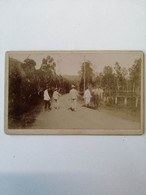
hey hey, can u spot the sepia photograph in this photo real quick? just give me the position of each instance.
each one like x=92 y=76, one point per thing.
x=74 y=92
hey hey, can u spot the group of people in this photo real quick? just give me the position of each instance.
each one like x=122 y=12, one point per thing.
x=91 y=98
x=56 y=95
x=47 y=98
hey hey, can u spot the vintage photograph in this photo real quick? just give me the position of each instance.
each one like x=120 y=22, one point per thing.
x=74 y=92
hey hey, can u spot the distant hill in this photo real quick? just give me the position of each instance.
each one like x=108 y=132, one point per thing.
x=71 y=77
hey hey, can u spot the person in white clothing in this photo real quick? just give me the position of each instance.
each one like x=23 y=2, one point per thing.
x=47 y=99
x=73 y=96
x=87 y=97
x=97 y=97
x=56 y=96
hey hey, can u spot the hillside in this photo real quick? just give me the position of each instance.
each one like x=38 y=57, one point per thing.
x=71 y=77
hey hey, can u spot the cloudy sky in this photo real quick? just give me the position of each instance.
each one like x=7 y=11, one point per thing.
x=68 y=63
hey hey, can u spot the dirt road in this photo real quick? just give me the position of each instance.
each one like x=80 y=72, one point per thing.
x=83 y=117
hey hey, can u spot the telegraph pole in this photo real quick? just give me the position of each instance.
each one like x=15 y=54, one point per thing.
x=84 y=75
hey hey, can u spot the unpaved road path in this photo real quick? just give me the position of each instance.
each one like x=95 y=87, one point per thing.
x=83 y=117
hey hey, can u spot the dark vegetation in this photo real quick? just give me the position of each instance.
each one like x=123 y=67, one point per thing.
x=26 y=85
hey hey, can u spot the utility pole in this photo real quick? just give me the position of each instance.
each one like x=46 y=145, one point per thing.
x=84 y=75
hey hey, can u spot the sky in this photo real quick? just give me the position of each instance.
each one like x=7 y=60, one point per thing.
x=69 y=63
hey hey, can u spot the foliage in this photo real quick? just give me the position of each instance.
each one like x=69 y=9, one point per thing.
x=87 y=73
x=135 y=72
x=113 y=80
x=26 y=84
x=22 y=89
x=47 y=75
x=120 y=76
x=108 y=77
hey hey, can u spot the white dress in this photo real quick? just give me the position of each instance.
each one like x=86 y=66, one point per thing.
x=87 y=96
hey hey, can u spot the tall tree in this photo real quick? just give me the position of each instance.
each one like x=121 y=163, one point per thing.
x=108 y=77
x=48 y=65
x=120 y=76
x=29 y=66
x=86 y=73
x=135 y=75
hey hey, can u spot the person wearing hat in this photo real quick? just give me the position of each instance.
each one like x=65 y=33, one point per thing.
x=47 y=99
x=87 y=97
x=73 y=96
x=56 y=96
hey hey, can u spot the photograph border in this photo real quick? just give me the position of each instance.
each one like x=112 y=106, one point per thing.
x=72 y=131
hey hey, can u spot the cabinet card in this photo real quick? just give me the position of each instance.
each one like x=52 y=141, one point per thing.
x=74 y=92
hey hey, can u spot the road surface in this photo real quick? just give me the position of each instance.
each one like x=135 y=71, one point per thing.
x=83 y=117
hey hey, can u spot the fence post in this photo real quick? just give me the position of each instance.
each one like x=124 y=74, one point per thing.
x=136 y=104
x=116 y=100
x=125 y=101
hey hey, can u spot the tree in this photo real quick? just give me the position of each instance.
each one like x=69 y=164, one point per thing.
x=29 y=66
x=135 y=75
x=98 y=80
x=22 y=86
x=15 y=80
x=87 y=73
x=47 y=75
x=48 y=65
x=120 y=76
x=108 y=77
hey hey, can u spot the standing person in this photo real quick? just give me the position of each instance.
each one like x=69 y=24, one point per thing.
x=47 y=99
x=56 y=96
x=50 y=91
x=73 y=96
x=87 y=97
x=93 y=99
x=101 y=93
x=96 y=98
